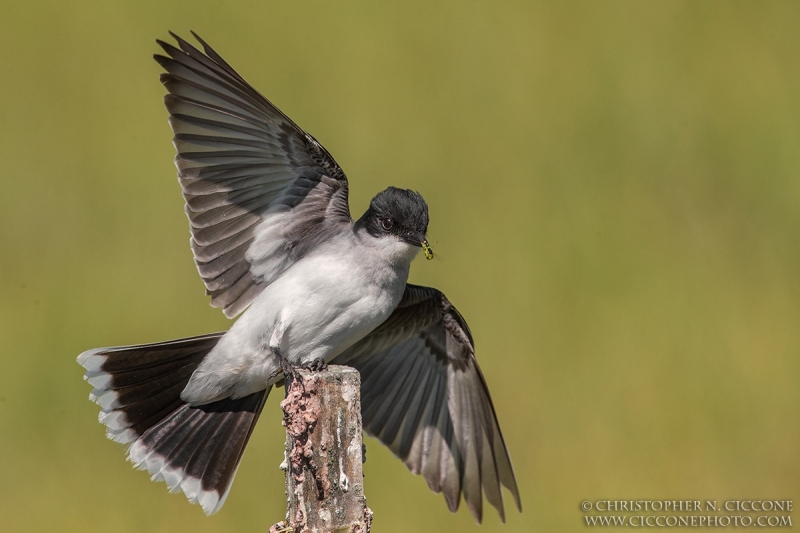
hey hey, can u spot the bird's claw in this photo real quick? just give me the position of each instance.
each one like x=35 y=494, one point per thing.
x=317 y=365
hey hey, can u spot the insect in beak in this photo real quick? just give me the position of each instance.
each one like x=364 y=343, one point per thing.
x=426 y=248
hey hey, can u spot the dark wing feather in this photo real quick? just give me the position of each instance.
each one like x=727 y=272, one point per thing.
x=424 y=396
x=260 y=192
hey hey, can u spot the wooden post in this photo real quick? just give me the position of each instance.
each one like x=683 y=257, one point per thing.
x=324 y=480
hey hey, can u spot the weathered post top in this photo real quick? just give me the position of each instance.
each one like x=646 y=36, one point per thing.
x=324 y=479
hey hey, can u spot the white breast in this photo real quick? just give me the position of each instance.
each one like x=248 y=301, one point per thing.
x=320 y=306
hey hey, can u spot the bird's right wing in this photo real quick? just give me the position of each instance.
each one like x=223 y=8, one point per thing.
x=424 y=396
x=260 y=192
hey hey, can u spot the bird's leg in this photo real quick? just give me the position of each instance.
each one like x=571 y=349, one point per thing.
x=286 y=368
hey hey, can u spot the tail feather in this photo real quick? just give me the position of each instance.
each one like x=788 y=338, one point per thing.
x=196 y=449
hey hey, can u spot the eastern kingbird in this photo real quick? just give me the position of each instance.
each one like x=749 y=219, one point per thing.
x=273 y=239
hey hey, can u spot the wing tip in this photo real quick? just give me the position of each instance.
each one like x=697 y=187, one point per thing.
x=517 y=500
x=475 y=506
x=200 y=40
x=180 y=40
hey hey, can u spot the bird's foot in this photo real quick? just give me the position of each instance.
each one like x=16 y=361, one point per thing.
x=317 y=365
x=289 y=369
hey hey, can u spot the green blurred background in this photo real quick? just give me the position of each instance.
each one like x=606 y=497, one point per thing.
x=615 y=207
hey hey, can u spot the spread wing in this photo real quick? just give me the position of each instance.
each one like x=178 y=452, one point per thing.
x=424 y=396
x=260 y=192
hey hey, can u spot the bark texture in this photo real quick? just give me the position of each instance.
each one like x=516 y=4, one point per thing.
x=324 y=479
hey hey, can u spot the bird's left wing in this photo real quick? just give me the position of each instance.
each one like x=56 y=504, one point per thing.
x=424 y=396
x=260 y=192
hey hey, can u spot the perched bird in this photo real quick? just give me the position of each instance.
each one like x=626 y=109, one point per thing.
x=274 y=241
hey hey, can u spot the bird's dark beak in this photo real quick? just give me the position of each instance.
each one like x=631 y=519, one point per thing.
x=420 y=240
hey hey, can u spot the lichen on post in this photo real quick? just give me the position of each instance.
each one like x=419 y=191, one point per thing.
x=324 y=479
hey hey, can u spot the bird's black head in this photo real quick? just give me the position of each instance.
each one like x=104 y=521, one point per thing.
x=398 y=212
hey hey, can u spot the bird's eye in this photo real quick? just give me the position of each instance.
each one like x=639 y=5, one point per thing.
x=387 y=223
